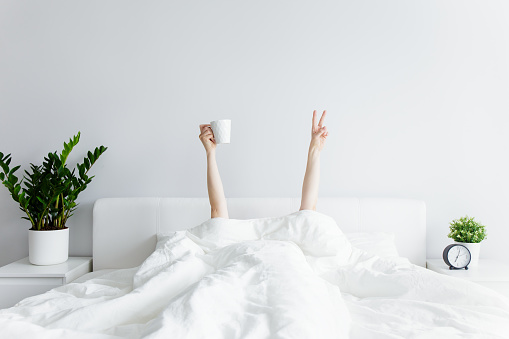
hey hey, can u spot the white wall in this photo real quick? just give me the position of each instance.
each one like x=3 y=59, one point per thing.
x=417 y=95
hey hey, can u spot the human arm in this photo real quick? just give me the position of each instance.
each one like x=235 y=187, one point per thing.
x=218 y=207
x=312 y=177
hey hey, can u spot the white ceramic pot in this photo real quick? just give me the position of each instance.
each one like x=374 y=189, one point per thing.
x=48 y=247
x=475 y=249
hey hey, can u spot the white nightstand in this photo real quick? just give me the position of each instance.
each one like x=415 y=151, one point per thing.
x=21 y=279
x=489 y=273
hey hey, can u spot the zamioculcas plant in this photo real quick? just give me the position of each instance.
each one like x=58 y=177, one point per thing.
x=47 y=193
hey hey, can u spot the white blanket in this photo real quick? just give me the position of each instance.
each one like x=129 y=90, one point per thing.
x=291 y=277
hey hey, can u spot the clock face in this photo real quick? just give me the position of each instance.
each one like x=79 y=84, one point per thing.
x=458 y=256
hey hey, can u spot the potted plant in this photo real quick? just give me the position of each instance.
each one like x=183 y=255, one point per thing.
x=47 y=195
x=469 y=233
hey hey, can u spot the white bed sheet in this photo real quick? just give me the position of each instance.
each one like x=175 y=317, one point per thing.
x=290 y=277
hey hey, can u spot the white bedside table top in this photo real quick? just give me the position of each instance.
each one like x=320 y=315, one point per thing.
x=24 y=269
x=486 y=270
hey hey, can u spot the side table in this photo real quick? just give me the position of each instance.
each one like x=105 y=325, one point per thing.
x=490 y=273
x=21 y=279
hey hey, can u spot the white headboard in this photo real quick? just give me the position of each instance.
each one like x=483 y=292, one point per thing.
x=124 y=230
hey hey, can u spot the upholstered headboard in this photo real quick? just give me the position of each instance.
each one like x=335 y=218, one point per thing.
x=124 y=230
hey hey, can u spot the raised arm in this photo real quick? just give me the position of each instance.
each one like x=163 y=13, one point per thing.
x=312 y=177
x=218 y=207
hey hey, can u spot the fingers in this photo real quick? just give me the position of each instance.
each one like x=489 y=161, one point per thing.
x=316 y=127
x=320 y=124
x=321 y=132
x=207 y=137
x=203 y=126
x=206 y=134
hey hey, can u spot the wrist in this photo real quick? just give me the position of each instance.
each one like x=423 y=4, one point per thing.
x=313 y=152
x=211 y=152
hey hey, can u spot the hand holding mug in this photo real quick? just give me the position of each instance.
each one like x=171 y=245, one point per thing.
x=207 y=138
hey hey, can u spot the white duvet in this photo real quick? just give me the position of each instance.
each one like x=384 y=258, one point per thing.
x=291 y=277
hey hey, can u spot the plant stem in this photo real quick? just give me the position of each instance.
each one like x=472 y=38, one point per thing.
x=29 y=217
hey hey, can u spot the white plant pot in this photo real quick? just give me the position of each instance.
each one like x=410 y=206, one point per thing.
x=475 y=249
x=48 y=247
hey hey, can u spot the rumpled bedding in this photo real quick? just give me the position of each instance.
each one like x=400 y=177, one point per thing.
x=295 y=276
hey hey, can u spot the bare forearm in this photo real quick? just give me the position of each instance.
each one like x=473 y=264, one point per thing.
x=311 y=181
x=215 y=188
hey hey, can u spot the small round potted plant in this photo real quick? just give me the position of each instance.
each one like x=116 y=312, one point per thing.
x=47 y=195
x=469 y=233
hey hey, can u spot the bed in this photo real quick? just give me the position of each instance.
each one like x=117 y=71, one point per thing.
x=120 y=219
x=353 y=269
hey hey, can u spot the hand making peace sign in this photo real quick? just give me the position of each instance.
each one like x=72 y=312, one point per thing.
x=319 y=132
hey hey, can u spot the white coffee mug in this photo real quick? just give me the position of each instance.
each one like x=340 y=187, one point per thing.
x=221 y=130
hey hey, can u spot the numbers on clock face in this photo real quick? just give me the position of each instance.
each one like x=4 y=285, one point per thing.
x=458 y=256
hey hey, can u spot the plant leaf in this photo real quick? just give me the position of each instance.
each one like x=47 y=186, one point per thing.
x=15 y=169
x=68 y=147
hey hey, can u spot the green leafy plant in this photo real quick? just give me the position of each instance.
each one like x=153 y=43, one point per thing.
x=467 y=230
x=48 y=192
